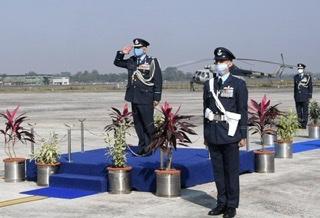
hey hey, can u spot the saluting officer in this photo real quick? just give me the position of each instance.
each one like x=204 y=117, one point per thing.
x=302 y=94
x=143 y=90
x=223 y=146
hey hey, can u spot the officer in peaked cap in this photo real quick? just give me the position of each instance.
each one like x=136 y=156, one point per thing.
x=302 y=94
x=138 y=43
x=224 y=144
x=221 y=53
x=144 y=88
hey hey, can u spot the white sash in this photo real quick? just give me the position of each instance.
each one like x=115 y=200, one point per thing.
x=231 y=117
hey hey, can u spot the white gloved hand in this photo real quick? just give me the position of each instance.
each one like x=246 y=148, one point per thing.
x=208 y=114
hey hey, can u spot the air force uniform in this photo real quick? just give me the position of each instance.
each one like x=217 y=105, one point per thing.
x=143 y=88
x=302 y=94
x=224 y=149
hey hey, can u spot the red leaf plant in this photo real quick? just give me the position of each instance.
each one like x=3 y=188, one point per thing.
x=171 y=131
x=116 y=141
x=14 y=132
x=262 y=117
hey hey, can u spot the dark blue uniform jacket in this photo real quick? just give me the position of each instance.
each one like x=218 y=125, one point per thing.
x=302 y=88
x=137 y=92
x=216 y=132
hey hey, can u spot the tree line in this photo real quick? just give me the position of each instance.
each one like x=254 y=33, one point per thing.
x=169 y=74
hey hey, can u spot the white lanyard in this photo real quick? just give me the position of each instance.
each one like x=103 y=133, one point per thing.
x=217 y=101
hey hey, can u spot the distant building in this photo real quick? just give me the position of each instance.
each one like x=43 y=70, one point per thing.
x=60 y=81
x=33 y=80
x=23 y=80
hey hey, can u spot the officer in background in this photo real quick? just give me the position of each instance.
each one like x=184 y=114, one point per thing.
x=143 y=90
x=224 y=149
x=302 y=94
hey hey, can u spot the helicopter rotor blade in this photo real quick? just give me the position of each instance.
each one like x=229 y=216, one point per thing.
x=267 y=62
x=187 y=63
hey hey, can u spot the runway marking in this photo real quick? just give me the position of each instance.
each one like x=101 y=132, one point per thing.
x=20 y=200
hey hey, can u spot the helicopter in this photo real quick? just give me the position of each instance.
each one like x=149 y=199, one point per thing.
x=202 y=75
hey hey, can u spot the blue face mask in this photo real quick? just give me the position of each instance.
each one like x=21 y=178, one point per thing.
x=138 y=52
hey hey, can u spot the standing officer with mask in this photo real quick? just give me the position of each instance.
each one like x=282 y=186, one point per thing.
x=302 y=94
x=143 y=89
x=225 y=99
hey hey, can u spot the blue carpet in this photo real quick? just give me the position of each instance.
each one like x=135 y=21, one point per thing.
x=302 y=146
x=57 y=192
x=87 y=171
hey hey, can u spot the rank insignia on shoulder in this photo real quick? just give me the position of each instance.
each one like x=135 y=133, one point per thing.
x=227 y=92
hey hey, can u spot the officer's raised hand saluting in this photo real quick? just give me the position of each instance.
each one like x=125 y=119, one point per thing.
x=144 y=88
x=126 y=50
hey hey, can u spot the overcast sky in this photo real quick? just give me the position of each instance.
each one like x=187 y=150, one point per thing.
x=53 y=36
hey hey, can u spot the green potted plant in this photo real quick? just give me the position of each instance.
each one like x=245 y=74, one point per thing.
x=287 y=128
x=314 y=127
x=13 y=132
x=47 y=159
x=262 y=118
x=171 y=130
x=119 y=172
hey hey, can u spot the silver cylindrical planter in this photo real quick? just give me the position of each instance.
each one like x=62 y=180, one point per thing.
x=269 y=139
x=264 y=161
x=168 y=183
x=119 y=180
x=314 y=132
x=14 y=169
x=43 y=173
x=283 y=149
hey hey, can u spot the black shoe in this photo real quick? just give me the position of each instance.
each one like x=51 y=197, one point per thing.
x=220 y=209
x=230 y=212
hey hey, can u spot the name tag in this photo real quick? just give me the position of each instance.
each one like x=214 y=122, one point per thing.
x=144 y=67
x=227 y=92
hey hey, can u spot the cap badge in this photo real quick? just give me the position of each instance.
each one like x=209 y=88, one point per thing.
x=219 y=53
x=136 y=41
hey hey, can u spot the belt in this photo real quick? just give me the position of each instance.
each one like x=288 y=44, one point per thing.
x=219 y=117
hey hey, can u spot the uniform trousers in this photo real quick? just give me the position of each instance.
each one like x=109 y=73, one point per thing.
x=143 y=122
x=302 y=112
x=225 y=161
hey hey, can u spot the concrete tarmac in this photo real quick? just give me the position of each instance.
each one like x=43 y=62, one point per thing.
x=292 y=191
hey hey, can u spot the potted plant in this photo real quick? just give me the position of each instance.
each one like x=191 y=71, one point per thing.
x=119 y=172
x=47 y=159
x=262 y=121
x=13 y=132
x=287 y=127
x=314 y=127
x=171 y=130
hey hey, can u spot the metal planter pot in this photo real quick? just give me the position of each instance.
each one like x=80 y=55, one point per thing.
x=14 y=169
x=314 y=131
x=44 y=171
x=264 y=161
x=168 y=183
x=119 y=180
x=269 y=139
x=283 y=149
